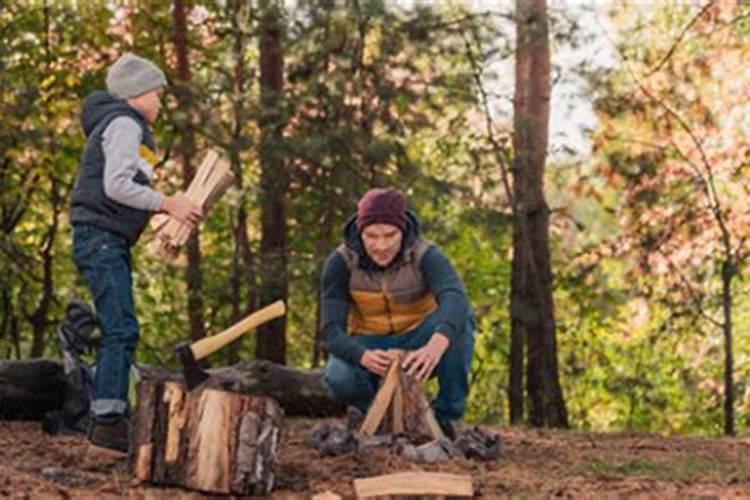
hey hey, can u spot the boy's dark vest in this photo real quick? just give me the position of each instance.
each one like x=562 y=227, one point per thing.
x=89 y=204
x=394 y=300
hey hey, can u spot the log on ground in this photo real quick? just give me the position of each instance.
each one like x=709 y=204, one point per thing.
x=29 y=389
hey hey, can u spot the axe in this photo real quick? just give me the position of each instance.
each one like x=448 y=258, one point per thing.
x=189 y=354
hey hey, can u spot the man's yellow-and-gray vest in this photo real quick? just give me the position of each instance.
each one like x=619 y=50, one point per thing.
x=394 y=300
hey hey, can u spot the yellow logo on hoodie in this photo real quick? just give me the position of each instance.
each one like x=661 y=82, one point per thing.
x=147 y=155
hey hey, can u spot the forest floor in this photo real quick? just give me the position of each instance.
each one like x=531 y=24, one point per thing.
x=535 y=463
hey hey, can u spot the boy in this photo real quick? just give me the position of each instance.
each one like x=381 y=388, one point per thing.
x=111 y=204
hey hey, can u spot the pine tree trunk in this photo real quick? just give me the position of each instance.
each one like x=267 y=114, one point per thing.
x=532 y=307
x=186 y=150
x=271 y=343
x=242 y=280
x=517 y=341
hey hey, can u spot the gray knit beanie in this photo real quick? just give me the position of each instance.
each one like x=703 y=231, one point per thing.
x=131 y=76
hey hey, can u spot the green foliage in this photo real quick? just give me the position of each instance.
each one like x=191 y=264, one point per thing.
x=379 y=96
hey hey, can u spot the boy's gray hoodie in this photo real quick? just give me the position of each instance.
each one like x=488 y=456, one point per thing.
x=112 y=188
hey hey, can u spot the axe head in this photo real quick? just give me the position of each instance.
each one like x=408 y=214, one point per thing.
x=194 y=375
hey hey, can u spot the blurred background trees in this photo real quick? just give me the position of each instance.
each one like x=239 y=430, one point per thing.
x=313 y=102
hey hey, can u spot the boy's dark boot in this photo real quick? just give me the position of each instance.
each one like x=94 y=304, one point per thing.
x=112 y=431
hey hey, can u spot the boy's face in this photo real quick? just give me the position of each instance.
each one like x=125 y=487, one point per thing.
x=382 y=242
x=148 y=104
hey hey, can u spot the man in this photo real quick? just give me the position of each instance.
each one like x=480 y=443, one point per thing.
x=386 y=288
x=111 y=204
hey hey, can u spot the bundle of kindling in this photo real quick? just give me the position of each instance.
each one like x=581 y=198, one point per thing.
x=210 y=182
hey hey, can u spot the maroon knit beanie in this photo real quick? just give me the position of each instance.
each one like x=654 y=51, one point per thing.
x=382 y=206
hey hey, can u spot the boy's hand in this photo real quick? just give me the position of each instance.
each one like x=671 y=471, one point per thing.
x=376 y=361
x=182 y=208
x=421 y=362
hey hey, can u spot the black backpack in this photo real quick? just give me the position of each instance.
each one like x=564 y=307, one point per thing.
x=74 y=335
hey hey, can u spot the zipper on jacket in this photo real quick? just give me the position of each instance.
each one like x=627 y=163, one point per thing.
x=384 y=289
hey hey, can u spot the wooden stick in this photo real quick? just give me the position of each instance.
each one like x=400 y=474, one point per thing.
x=397 y=410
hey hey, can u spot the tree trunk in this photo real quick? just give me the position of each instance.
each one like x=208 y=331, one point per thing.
x=532 y=307
x=727 y=273
x=209 y=440
x=271 y=343
x=186 y=150
x=242 y=280
x=515 y=389
x=323 y=245
x=38 y=318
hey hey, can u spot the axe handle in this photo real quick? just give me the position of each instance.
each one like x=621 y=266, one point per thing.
x=204 y=347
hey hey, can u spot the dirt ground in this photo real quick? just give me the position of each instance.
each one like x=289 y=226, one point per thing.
x=536 y=463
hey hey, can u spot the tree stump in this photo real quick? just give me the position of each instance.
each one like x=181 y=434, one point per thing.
x=208 y=439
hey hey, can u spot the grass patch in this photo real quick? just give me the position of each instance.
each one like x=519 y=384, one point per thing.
x=674 y=470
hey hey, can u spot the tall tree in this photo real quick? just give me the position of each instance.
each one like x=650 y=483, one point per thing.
x=243 y=259
x=186 y=150
x=532 y=306
x=274 y=182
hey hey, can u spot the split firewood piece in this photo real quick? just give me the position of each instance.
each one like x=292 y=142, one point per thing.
x=382 y=400
x=212 y=440
x=327 y=495
x=397 y=410
x=210 y=182
x=415 y=483
x=419 y=420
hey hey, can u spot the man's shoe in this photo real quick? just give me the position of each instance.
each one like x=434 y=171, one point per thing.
x=354 y=418
x=452 y=428
x=111 y=432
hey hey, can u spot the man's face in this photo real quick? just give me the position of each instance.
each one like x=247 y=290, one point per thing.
x=382 y=242
x=148 y=104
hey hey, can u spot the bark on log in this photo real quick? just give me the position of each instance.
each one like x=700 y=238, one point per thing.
x=299 y=392
x=29 y=389
x=207 y=439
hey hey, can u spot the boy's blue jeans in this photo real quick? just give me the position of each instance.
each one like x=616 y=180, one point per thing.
x=354 y=385
x=103 y=259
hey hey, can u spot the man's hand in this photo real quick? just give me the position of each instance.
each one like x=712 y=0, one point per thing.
x=182 y=208
x=376 y=361
x=421 y=362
